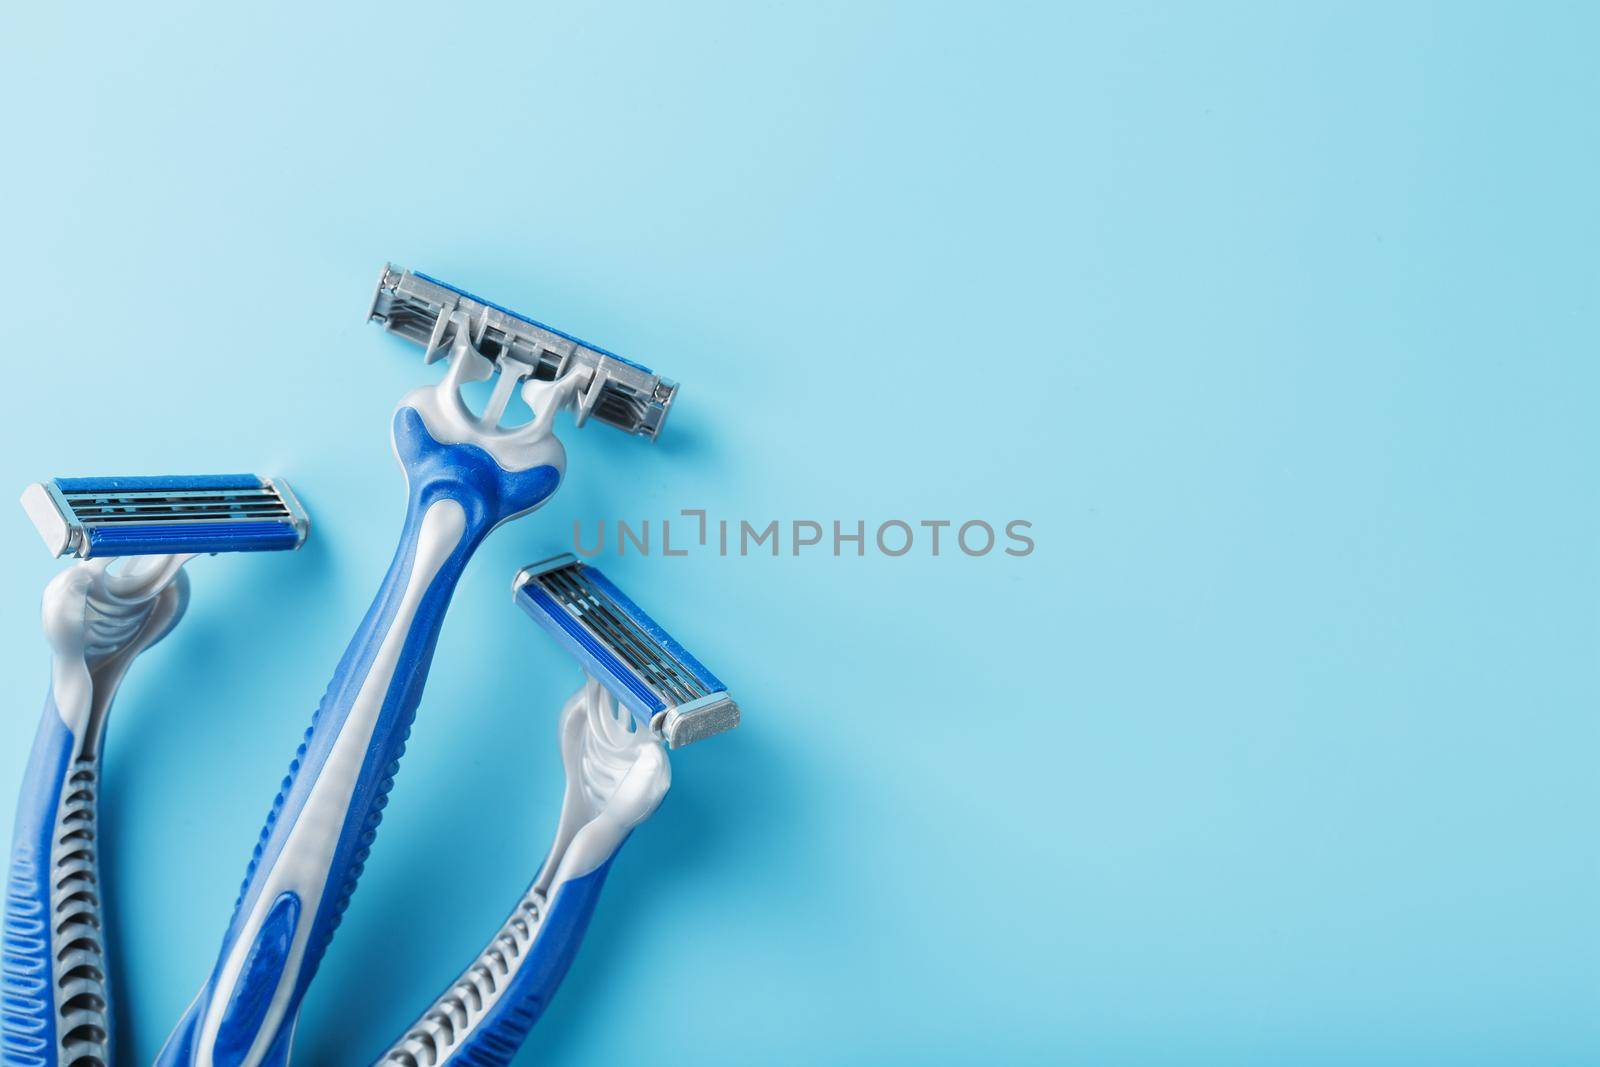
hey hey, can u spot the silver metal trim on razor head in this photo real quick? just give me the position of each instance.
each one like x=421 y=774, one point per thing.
x=52 y=517
x=620 y=393
x=706 y=717
x=297 y=514
x=544 y=566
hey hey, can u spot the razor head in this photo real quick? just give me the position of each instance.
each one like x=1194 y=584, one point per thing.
x=90 y=517
x=667 y=689
x=426 y=310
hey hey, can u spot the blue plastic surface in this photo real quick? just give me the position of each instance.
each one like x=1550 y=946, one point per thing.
x=505 y=1027
x=192 y=537
x=655 y=630
x=595 y=656
x=177 y=483
x=243 y=1015
x=27 y=1002
x=487 y=494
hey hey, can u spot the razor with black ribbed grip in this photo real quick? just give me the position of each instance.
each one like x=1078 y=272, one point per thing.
x=642 y=687
x=55 y=999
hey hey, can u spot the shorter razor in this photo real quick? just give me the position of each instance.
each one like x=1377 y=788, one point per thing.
x=428 y=311
x=616 y=775
x=56 y=1005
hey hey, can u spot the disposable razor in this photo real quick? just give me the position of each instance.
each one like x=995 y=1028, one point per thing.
x=466 y=474
x=618 y=391
x=56 y=1005
x=639 y=682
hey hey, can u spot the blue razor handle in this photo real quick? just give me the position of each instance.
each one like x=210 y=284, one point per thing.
x=616 y=777
x=505 y=1026
x=321 y=826
x=486 y=1014
x=55 y=1001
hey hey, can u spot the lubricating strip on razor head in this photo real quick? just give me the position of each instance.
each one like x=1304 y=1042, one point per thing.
x=626 y=650
x=428 y=311
x=90 y=517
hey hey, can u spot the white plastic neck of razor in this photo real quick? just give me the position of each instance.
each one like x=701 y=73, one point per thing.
x=517 y=448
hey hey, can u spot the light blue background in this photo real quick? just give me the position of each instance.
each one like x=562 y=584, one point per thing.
x=1278 y=323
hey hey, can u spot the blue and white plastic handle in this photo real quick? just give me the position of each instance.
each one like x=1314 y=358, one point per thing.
x=465 y=476
x=55 y=996
x=617 y=775
x=55 y=1001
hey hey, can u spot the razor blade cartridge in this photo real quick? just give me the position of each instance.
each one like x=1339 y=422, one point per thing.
x=90 y=517
x=665 y=687
x=621 y=393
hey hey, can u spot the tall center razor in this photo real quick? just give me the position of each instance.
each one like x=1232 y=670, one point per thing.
x=466 y=474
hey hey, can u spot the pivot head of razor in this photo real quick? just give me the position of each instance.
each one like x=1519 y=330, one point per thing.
x=431 y=313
